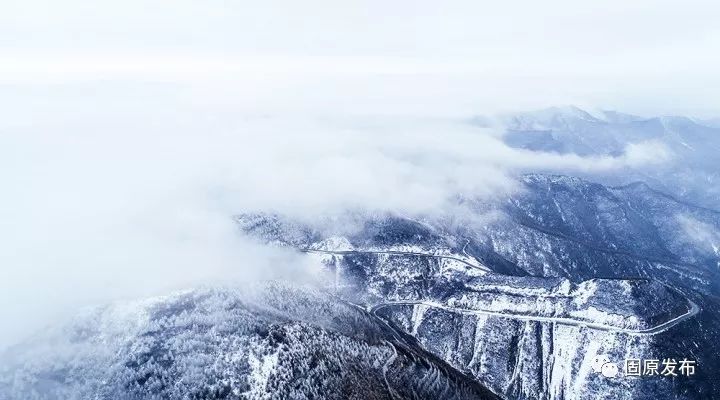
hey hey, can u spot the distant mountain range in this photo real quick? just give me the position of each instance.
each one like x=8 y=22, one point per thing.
x=692 y=172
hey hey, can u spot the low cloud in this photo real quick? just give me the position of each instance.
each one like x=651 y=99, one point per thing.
x=700 y=234
x=647 y=153
x=120 y=191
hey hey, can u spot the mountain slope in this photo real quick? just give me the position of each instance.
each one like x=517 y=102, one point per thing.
x=270 y=342
x=449 y=283
x=687 y=169
x=563 y=226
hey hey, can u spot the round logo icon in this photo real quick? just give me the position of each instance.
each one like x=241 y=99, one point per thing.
x=599 y=361
x=609 y=370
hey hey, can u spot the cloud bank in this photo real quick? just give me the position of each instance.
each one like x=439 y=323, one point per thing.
x=121 y=191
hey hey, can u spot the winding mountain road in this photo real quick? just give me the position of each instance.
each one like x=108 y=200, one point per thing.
x=694 y=309
x=662 y=327
x=398 y=253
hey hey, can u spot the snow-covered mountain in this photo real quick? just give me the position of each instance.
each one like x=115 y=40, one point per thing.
x=276 y=341
x=516 y=302
x=564 y=226
x=512 y=298
x=572 y=130
x=688 y=147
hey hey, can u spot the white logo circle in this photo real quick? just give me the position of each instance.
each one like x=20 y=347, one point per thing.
x=609 y=370
x=599 y=361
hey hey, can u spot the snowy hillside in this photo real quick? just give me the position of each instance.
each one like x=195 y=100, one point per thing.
x=515 y=302
x=270 y=342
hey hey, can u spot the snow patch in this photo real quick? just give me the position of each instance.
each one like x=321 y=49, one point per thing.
x=262 y=369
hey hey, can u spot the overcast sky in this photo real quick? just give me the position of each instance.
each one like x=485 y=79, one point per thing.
x=647 y=56
x=132 y=130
